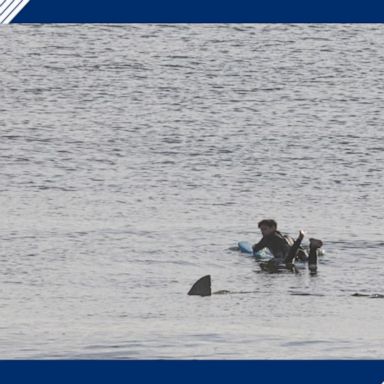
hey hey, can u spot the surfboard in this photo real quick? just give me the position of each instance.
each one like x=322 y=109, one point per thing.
x=246 y=247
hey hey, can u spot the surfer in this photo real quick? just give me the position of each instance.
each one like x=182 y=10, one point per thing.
x=284 y=248
x=272 y=239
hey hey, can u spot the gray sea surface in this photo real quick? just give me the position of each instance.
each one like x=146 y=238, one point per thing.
x=134 y=157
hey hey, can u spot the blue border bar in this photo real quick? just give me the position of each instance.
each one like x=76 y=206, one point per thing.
x=196 y=372
x=202 y=11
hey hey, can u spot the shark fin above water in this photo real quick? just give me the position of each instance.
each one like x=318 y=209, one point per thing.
x=202 y=287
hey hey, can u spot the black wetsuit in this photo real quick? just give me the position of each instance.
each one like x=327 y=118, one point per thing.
x=276 y=243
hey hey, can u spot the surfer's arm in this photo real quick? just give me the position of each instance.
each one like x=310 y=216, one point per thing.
x=259 y=246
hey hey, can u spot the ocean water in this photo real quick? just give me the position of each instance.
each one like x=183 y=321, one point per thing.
x=134 y=157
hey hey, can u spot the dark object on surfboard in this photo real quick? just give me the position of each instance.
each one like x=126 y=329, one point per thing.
x=202 y=287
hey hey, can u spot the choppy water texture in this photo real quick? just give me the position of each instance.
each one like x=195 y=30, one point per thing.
x=133 y=157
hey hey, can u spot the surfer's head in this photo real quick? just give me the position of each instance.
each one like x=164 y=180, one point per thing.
x=267 y=226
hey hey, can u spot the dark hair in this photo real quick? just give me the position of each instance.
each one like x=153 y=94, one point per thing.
x=268 y=222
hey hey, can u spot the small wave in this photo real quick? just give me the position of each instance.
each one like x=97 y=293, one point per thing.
x=369 y=296
x=306 y=294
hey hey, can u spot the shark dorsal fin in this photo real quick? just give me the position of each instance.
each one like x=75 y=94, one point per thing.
x=202 y=287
